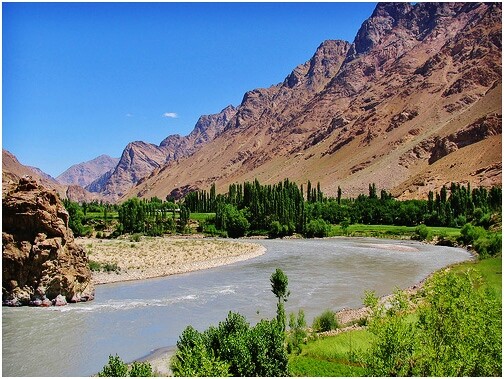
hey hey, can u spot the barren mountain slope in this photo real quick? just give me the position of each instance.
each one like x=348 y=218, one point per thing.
x=140 y=159
x=85 y=173
x=418 y=84
x=13 y=170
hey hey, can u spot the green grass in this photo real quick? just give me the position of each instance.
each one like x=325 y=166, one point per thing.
x=201 y=216
x=308 y=366
x=391 y=231
x=111 y=215
x=490 y=269
x=332 y=356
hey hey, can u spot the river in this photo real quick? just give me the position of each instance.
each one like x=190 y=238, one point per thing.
x=132 y=319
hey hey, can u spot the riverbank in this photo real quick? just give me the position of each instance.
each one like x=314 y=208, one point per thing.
x=123 y=260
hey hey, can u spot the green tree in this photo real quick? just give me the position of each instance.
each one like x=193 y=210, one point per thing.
x=317 y=228
x=458 y=332
x=279 y=283
x=460 y=328
x=297 y=332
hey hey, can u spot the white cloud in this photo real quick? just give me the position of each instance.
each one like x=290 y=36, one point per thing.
x=170 y=115
x=129 y=115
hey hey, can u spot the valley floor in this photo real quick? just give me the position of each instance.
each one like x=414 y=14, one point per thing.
x=123 y=259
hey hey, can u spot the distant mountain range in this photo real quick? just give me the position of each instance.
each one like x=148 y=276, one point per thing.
x=414 y=103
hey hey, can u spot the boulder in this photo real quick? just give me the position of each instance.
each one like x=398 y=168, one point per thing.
x=40 y=259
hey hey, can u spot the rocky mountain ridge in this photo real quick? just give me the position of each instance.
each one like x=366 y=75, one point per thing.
x=13 y=171
x=419 y=85
x=140 y=159
x=83 y=174
x=385 y=109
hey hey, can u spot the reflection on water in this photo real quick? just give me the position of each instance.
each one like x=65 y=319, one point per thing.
x=134 y=318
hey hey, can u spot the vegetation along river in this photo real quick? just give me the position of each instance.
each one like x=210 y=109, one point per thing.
x=132 y=319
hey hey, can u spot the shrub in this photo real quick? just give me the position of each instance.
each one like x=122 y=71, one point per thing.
x=458 y=332
x=94 y=266
x=111 y=267
x=275 y=230
x=135 y=237
x=141 y=369
x=297 y=333
x=117 y=368
x=317 y=228
x=232 y=348
x=422 y=233
x=325 y=322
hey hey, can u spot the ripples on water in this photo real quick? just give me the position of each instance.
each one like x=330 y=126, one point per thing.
x=132 y=319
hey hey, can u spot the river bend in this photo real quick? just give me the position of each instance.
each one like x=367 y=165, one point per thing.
x=132 y=319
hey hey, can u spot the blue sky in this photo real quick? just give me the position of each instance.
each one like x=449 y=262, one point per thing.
x=84 y=79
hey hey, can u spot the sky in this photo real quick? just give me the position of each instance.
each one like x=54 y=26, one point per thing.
x=84 y=79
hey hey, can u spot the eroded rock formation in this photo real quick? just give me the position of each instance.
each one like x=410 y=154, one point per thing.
x=41 y=263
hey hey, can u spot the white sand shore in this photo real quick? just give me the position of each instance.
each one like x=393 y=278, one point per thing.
x=161 y=256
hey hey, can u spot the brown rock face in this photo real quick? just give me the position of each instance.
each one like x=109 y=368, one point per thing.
x=40 y=259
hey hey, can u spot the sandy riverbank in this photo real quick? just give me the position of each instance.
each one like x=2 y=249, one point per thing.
x=161 y=256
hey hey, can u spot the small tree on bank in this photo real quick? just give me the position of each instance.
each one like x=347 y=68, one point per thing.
x=279 y=283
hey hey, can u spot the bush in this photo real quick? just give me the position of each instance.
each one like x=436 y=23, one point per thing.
x=275 y=230
x=135 y=237
x=117 y=368
x=232 y=348
x=94 y=266
x=141 y=369
x=458 y=331
x=297 y=332
x=111 y=267
x=485 y=243
x=325 y=322
x=317 y=228
x=422 y=233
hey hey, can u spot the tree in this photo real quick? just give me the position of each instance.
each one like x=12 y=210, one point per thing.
x=279 y=283
x=297 y=326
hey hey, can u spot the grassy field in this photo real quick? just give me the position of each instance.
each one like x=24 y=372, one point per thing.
x=111 y=215
x=490 y=269
x=332 y=356
x=201 y=216
x=339 y=355
x=390 y=231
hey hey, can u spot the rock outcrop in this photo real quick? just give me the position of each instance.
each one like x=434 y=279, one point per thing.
x=40 y=260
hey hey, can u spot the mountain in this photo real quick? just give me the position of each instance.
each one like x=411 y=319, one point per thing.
x=140 y=159
x=13 y=171
x=85 y=173
x=414 y=103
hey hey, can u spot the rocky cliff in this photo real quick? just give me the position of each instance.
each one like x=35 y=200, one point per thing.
x=419 y=84
x=41 y=263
